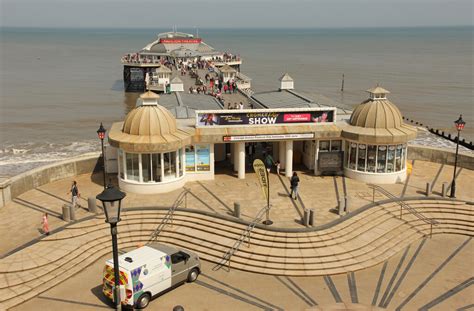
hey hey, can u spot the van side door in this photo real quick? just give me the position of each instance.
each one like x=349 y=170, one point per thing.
x=179 y=267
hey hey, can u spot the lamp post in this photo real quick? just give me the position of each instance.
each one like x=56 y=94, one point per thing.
x=101 y=133
x=111 y=199
x=459 y=123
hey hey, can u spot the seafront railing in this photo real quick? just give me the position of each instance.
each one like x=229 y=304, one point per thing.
x=405 y=206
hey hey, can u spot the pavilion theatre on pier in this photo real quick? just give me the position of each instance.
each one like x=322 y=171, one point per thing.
x=170 y=139
x=170 y=52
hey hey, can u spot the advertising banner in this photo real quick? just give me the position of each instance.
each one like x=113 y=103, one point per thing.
x=203 y=158
x=265 y=137
x=262 y=176
x=190 y=159
x=259 y=117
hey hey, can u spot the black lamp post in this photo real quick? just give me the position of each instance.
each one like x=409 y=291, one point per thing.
x=101 y=133
x=459 y=126
x=111 y=199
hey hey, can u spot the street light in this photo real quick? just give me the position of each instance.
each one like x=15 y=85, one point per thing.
x=459 y=123
x=101 y=133
x=111 y=199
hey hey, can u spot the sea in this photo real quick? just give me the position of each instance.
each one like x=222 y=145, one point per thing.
x=58 y=85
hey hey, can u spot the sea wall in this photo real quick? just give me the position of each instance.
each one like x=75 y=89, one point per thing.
x=440 y=155
x=13 y=187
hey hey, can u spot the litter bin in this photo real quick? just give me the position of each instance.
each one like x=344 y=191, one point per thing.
x=66 y=212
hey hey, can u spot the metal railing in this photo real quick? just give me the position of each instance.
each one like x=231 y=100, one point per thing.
x=168 y=218
x=404 y=205
x=244 y=236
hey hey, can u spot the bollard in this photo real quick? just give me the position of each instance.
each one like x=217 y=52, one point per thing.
x=347 y=204
x=72 y=212
x=341 y=207
x=237 y=209
x=311 y=217
x=66 y=213
x=306 y=217
x=444 y=189
x=428 y=189
x=91 y=205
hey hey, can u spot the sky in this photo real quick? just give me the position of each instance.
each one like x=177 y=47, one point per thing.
x=235 y=13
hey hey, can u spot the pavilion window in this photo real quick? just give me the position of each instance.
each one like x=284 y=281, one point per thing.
x=146 y=167
x=381 y=159
x=391 y=159
x=180 y=162
x=371 y=158
x=398 y=158
x=353 y=156
x=362 y=156
x=132 y=161
x=156 y=164
x=336 y=145
x=169 y=162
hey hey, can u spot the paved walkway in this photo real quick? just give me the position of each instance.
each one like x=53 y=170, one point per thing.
x=418 y=276
x=20 y=220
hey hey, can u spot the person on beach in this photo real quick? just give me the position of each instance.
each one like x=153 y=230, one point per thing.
x=294 y=183
x=75 y=194
x=45 y=224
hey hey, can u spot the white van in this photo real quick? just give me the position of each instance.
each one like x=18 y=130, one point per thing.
x=149 y=270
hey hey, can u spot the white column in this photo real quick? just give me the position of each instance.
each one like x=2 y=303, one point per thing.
x=235 y=156
x=241 y=158
x=281 y=153
x=140 y=173
x=289 y=158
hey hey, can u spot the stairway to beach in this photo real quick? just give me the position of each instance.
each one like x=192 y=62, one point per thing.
x=364 y=240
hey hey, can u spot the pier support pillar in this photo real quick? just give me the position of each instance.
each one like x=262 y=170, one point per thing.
x=241 y=160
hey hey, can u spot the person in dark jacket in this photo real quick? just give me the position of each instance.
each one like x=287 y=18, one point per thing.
x=294 y=183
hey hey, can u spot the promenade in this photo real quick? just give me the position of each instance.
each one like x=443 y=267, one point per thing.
x=361 y=247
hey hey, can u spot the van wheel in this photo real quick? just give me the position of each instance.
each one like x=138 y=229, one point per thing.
x=193 y=275
x=143 y=301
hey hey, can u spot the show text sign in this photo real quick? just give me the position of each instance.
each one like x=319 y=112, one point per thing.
x=268 y=137
x=264 y=117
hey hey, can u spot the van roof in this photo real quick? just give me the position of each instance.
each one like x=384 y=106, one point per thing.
x=139 y=257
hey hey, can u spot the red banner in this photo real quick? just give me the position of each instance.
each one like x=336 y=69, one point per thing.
x=180 y=40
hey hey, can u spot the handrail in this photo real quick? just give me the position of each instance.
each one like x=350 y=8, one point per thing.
x=245 y=235
x=404 y=205
x=169 y=215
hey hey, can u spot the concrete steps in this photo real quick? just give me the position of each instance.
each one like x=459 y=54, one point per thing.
x=357 y=243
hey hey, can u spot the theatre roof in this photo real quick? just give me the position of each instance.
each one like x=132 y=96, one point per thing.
x=183 y=105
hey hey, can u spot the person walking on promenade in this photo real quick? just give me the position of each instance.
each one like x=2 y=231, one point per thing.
x=277 y=164
x=241 y=106
x=75 y=194
x=294 y=183
x=45 y=224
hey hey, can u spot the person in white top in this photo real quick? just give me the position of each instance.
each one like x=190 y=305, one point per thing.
x=241 y=106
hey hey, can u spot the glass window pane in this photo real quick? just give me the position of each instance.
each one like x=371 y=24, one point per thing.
x=132 y=166
x=381 y=159
x=390 y=159
x=336 y=145
x=146 y=167
x=324 y=145
x=371 y=153
x=361 y=160
x=190 y=159
x=180 y=162
x=398 y=159
x=170 y=165
x=353 y=156
x=156 y=162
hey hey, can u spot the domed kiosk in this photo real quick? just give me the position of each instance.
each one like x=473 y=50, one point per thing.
x=150 y=148
x=376 y=140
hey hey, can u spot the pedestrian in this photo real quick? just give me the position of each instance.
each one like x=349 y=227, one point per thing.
x=269 y=162
x=236 y=106
x=241 y=106
x=294 y=183
x=45 y=224
x=75 y=194
x=277 y=164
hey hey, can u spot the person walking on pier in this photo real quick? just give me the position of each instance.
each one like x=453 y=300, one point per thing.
x=294 y=184
x=45 y=224
x=75 y=194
